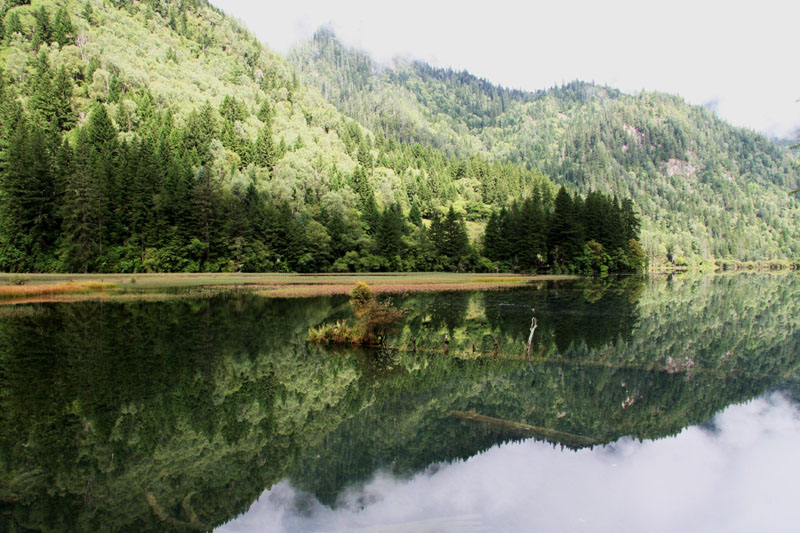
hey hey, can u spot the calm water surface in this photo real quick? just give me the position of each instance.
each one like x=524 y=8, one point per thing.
x=647 y=405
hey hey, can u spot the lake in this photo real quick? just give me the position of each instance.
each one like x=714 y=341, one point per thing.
x=655 y=404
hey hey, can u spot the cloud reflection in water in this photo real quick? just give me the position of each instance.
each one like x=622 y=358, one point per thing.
x=739 y=473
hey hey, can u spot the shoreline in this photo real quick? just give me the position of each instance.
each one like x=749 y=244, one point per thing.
x=16 y=289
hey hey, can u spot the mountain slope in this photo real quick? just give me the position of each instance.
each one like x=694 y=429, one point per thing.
x=706 y=189
x=167 y=138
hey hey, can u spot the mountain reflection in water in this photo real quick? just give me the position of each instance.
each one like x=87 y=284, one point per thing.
x=734 y=478
x=178 y=415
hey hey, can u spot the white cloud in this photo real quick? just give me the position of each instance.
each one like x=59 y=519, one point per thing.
x=739 y=477
x=742 y=54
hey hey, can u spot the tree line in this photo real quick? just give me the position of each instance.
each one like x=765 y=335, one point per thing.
x=597 y=233
x=154 y=202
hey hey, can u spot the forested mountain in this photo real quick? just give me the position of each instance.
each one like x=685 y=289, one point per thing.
x=161 y=136
x=706 y=189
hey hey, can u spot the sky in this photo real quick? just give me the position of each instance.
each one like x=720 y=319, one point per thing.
x=736 y=474
x=737 y=58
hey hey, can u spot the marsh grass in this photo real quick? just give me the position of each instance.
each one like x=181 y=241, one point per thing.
x=45 y=289
x=33 y=288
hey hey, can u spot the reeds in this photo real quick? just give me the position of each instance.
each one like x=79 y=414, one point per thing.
x=51 y=289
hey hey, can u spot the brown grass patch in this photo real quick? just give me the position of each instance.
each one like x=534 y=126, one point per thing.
x=40 y=288
x=27 y=291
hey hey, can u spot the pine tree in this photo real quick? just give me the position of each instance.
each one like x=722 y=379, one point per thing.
x=13 y=25
x=492 y=236
x=27 y=201
x=63 y=31
x=630 y=220
x=389 y=234
x=42 y=103
x=456 y=240
x=414 y=214
x=265 y=112
x=103 y=151
x=265 y=155
x=80 y=209
x=42 y=27
x=565 y=239
x=64 y=112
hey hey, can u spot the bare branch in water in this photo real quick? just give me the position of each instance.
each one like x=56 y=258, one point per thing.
x=530 y=337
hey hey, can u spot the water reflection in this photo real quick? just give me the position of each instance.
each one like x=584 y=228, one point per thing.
x=178 y=415
x=739 y=477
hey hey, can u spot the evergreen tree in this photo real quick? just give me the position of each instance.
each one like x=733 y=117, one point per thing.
x=80 y=209
x=630 y=220
x=531 y=241
x=28 y=201
x=63 y=31
x=12 y=25
x=265 y=155
x=414 y=215
x=42 y=27
x=63 y=110
x=265 y=112
x=205 y=200
x=103 y=151
x=565 y=239
x=492 y=237
x=390 y=232
x=456 y=241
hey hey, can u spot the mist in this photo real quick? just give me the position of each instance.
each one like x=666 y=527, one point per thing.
x=737 y=54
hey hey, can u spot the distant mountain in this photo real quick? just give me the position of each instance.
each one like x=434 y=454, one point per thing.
x=706 y=189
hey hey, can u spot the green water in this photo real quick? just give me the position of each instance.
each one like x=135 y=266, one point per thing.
x=179 y=415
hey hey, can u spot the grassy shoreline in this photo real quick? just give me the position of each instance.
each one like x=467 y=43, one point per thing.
x=37 y=288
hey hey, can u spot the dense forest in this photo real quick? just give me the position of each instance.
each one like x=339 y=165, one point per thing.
x=706 y=190
x=106 y=169
x=162 y=136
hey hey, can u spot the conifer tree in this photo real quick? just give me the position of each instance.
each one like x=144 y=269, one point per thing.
x=42 y=27
x=80 y=209
x=13 y=25
x=565 y=239
x=265 y=155
x=456 y=241
x=63 y=31
x=103 y=151
x=414 y=214
x=390 y=232
x=28 y=201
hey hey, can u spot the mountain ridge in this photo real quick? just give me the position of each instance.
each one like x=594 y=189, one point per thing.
x=669 y=156
x=162 y=136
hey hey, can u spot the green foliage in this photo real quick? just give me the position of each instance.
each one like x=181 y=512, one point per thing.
x=338 y=333
x=183 y=163
x=597 y=234
x=361 y=296
x=704 y=189
x=202 y=151
x=375 y=321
